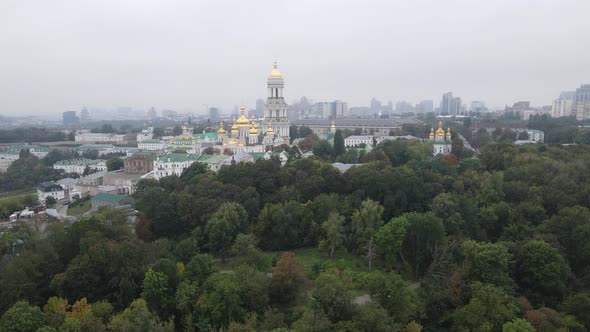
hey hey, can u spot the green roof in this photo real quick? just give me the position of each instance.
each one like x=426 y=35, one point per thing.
x=178 y=157
x=258 y=155
x=211 y=159
x=203 y=135
x=109 y=198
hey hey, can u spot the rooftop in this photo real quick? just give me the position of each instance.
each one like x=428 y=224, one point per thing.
x=109 y=198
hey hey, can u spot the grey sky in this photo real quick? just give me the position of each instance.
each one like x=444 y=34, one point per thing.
x=59 y=55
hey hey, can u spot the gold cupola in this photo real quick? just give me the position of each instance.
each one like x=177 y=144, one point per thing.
x=448 y=136
x=234 y=127
x=221 y=130
x=270 y=131
x=253 y=130
x=440 y=132
x=275 y=73
x=242 y=120
x=431 y=133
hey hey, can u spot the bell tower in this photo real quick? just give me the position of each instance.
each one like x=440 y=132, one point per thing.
x=275 y=113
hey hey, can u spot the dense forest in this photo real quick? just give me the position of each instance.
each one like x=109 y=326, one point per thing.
x=498 y=242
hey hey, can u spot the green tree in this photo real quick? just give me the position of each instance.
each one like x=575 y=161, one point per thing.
x=22 y=317
x=393 y=294
x=254 y=288
x=323 y=150
x=114 y=164
x=193 y=170
x=333 y=298
x=364 y=223
x=541 y=272
x=489 y=308
x=371 y=317
x=200 y=268
x=55 y=311
x=487 y=263
x=155 y=290
x=50 y=201
x=571 y=227
x=333 y=229
x=457 y=147
x=579 y=306
x=224 y=226
x=339 y=148
x=137 y=318
x=411 y=239
x=518 y=325
x=177 y=130
x=245 y=248
x=283 y=226
x=313 y=320
x=221 y=303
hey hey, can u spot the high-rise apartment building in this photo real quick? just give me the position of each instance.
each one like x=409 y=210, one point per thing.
x=563 y=105
x=581 y=103
x=450 y=105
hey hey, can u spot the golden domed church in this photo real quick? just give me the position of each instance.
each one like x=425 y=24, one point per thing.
x=441 y=140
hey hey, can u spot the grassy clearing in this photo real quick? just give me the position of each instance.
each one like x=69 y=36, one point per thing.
x=80 y=207
x=313 y=256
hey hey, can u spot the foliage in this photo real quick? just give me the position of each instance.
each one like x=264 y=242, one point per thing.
x=22 y=317
x=392 y=293
x=489 y=308
x=287 y=279
x=137 y=318
x=333 y=230
x=410 y=239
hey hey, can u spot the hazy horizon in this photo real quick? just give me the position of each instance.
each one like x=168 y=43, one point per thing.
x=63 y=55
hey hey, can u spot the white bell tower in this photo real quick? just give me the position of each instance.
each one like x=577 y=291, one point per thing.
x=275 y=113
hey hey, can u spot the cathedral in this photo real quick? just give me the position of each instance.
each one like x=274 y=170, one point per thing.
x=441 y=140
x=248 y=135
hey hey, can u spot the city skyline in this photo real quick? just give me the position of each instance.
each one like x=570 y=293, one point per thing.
x=179 y=55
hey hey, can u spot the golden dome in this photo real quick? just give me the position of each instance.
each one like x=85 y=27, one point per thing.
x=243 y=120
x=440 y=131
x=333 y=125
x=270 y=131
x=185 y=136
x=253 y=130
x=234 y=127
x=431 y=132
x=254 y=123
x=221 y=130
x=275 y=73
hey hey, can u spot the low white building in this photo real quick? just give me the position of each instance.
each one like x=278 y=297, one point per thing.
x=79 y=165
x=535 y=135
x=50 y=189
x=369 y=140
x=6 y=158
x=152 y=145
x=173 y=164
x=99 y=137
x=358 y=140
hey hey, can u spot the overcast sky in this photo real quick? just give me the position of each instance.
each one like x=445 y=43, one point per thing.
x=58 y=55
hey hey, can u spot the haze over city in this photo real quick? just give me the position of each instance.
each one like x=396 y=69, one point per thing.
x=62 y=55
